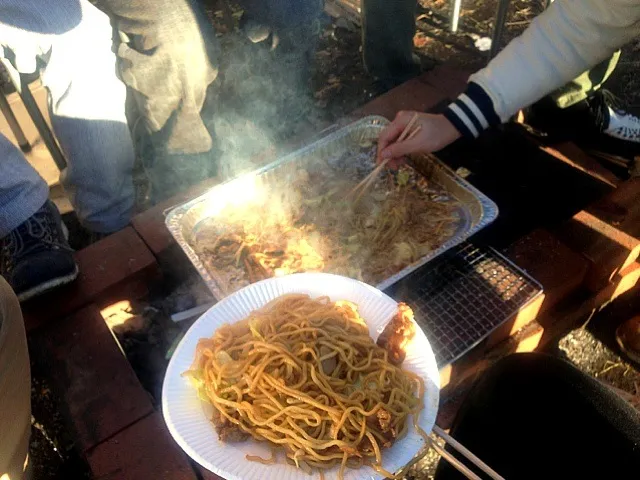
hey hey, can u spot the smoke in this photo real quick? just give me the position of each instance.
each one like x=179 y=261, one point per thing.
x=263 y=99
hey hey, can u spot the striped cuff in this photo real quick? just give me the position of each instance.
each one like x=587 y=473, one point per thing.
x=472 y=112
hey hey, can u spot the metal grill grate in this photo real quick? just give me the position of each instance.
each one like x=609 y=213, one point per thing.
x=462 y=296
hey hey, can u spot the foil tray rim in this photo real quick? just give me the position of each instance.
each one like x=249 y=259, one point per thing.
x=174 y=215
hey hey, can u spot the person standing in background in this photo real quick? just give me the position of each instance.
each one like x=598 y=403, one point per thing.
x=291 y=27
x=388 y=28
x=167 y=63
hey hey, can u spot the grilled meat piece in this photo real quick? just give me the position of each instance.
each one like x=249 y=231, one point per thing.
x=398 y=333
x=227 y=432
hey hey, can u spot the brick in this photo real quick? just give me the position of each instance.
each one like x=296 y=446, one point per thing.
x=412 y=95
x=608 y=248
x=567 y=316
x=524 y=317
x=119 y=263
x=452 y=375
x=450 y=81
x=574 y=156
x=531 y=342
x=621 y=208
x=548 y=328
x=622 y=282
x=93 y=379
x=456 y=379
x=607 y=232
x=150 y=223
x=559 y=269
x=143 y=451
x=533 y=336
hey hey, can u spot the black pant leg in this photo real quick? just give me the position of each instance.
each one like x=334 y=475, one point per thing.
x=534 y=416
x=388 y=27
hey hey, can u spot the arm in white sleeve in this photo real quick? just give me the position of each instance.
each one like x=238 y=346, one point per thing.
x=567 y=39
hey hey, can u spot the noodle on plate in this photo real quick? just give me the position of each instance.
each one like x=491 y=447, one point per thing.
x=305 y=375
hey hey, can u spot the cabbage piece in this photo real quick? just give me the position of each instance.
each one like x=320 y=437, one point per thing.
x=403 y=178
x=313 y=201
x=222 y=357
x=403 y=253
x=196 y=378
x=254 y=326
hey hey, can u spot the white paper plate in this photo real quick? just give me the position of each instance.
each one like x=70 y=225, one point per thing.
x=186 y=415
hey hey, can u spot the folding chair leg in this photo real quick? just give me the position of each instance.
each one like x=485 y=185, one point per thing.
x=41 y=124
x=456 y=5
x=498 y=27
x=5 y=107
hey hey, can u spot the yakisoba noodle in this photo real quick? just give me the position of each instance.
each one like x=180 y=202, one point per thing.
x=319 y=227
x=305 y=375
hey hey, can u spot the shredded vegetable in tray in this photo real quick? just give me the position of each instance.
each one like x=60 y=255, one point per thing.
x=307 y=221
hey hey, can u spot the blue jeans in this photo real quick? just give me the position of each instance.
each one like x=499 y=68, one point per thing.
x=87 y=107
x=162 y=57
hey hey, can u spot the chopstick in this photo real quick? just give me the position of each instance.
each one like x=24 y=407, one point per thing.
x=190 y=313
x=457 y=464
x=407 y=134
x=403 y=136
x=457 y=446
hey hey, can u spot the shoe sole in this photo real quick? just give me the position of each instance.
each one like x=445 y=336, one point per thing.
x=49 y=285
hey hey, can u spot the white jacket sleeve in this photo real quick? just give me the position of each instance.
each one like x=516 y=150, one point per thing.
x=567 y=39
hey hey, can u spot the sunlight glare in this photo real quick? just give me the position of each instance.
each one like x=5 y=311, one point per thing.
x=240 y=191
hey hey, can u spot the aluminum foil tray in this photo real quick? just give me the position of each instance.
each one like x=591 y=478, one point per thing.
x=476 y=210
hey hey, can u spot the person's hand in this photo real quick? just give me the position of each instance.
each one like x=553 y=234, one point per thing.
x=436 y=132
